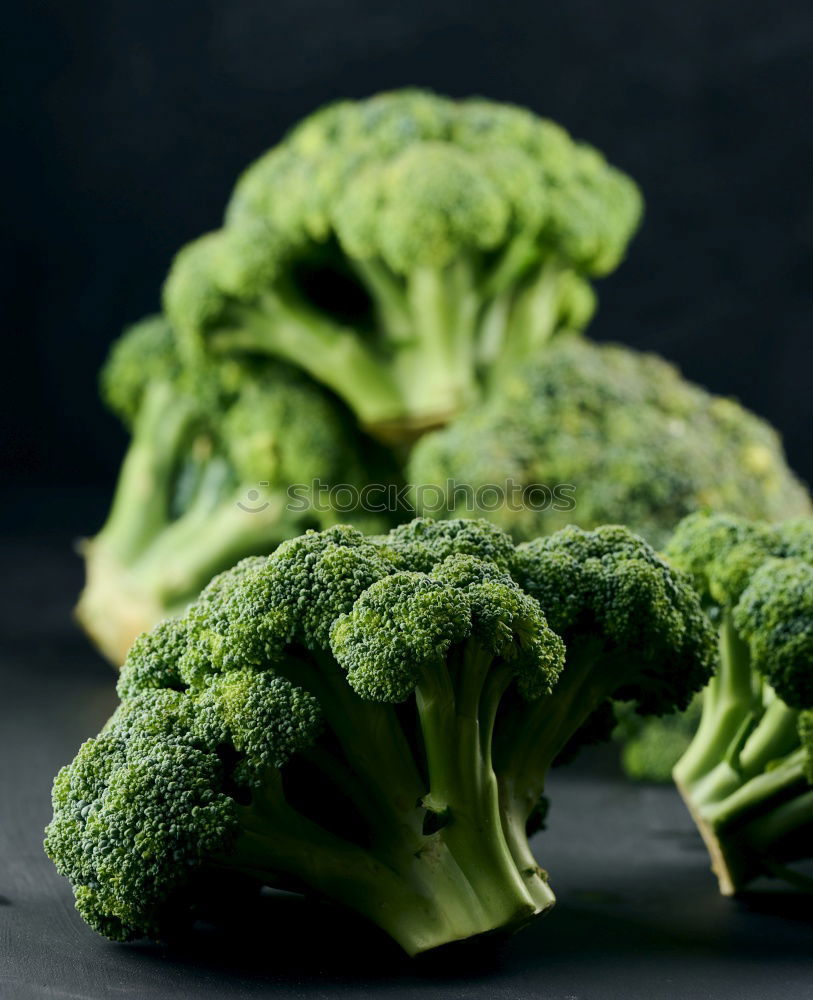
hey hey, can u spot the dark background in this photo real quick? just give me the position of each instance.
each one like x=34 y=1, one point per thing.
x=130 y=120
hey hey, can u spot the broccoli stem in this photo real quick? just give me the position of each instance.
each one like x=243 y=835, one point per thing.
x=763 y=738
x=121 y=600
x=436 y=368
x=388 y=292
x=277 y=840
x=530 y=738
x=528 y=745
x=423 y=892
x=332 y=354
x=763 y=823
x=522 y=320
x=380 y=765
x=115 y=605
x=463 y=787
x=141 y=504
x=203 y=542
x=742 y=777
x=514 y=806
x=727 y=700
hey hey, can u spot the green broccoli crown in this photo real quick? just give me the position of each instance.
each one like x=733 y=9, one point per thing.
x=144 y=353
x=399 y=248
x=253 y=612
x=247 y=616
x=635 y=442
x=720 y=552
x=797 y=538
x=608 y=586
x=405 y=624
x=283 y=429
x=775 y=616
x=423 y=543
x=415 y=179
x=151 y=800
x=258 y=741
x=763 y=574
x=152 y=662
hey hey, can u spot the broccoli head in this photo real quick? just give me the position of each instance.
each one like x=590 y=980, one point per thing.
x=368 y=719
x=404 y=249
x=599 y=433
x=206 y=479
x=746 y=776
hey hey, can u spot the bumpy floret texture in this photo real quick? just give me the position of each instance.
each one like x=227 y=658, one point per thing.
x=632 y=441
x=226 y=460
x=763 y=575
x=370 y=720
x=400 y=247
x=609 y=583
x=145 y=803
x=411 y=176
x=745 y=774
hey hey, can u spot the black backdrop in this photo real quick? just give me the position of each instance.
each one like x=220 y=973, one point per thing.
x=129 y=120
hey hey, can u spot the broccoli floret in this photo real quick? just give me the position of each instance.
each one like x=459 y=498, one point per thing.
x=404 y=249
x=746 y=776
x=652 y=746
x=370 y=720
x=207 y=478
x=599 y=433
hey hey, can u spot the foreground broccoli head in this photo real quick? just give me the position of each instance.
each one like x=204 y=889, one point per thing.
x=206 y=479
x=747 y=774
x=370 y=720
x=634 y=442
x=397 y=248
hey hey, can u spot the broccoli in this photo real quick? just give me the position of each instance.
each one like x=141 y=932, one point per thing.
x=747 y=774
x=635 y=443
x=652 y=746
x=205 y=480
x=404 y=249
x=368 y=720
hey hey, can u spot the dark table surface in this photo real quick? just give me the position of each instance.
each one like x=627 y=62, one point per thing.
x=638 y=915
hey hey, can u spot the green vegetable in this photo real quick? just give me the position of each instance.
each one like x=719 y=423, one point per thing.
x=371 y=721
x=746 y=776
x=205 y=481
x=652 y=746
x=636 y=443
x=425 y=260
x=404 y=249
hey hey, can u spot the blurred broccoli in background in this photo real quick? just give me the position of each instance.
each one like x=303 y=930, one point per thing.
x=651 y=746
x=205 y=480
x=404 y=250
x=640 y=445
x=404 y=273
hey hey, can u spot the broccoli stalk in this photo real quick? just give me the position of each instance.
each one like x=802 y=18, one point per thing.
x=368 y=721
x=632 y=631
x=746 y=776
x=405 y=251
x=205 y=480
